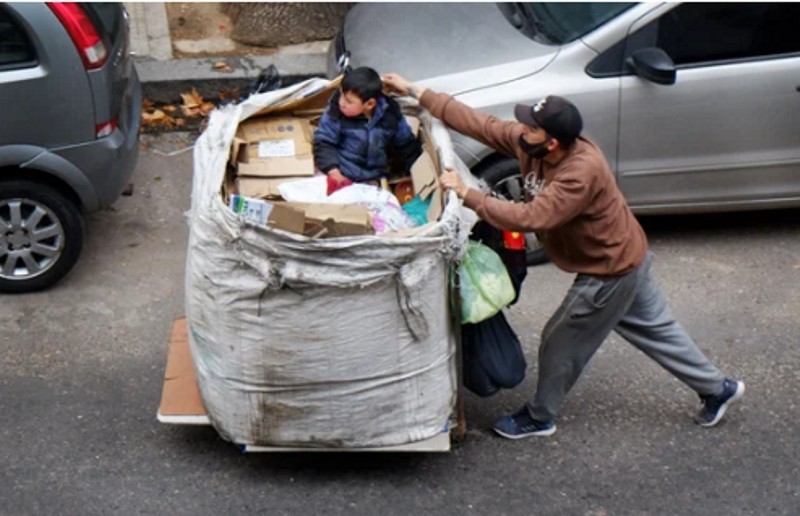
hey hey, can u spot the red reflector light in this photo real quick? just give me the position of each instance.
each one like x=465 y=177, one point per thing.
x=514 y=240
x=82 y=32
x=105 y=129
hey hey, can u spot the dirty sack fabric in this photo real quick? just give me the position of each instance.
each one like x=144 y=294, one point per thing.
x=342 y=342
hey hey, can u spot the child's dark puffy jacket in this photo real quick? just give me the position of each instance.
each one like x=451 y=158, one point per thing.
x=357 y=146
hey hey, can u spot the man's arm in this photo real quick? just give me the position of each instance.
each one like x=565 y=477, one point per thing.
x=489 y=130
x=563 y=200
x=502 y=136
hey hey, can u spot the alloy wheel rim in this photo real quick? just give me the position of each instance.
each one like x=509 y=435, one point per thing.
x=31 y=239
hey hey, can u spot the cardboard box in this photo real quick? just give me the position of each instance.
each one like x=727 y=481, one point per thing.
x=274 y=147
x=334 y=220
x=414 y=123
x=261 y=187
x=424 y=175
x=275 y=215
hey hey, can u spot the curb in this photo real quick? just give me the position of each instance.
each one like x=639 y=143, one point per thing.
x=164 y=81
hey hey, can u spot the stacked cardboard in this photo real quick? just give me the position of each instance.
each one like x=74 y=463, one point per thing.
x=276 y=146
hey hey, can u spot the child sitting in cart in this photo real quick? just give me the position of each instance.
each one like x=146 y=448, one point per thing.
x=356 y=130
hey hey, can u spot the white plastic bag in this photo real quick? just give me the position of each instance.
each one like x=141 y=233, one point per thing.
x=311 y=190
x=387 y=215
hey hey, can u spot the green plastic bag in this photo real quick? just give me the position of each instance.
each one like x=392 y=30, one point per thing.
x=485 y=285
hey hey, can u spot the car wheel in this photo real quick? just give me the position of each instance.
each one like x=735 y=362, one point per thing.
x=503 y=178
x=41 y=236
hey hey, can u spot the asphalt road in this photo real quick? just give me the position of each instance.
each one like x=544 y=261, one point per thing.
x=82 y=367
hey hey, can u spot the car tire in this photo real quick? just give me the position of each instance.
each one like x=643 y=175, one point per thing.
x=501 y=176
x=36 y=217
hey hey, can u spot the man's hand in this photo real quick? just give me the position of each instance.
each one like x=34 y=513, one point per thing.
x=450 y=179
x=397 y=84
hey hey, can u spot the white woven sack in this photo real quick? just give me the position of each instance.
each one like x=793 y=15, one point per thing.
x=341 y=342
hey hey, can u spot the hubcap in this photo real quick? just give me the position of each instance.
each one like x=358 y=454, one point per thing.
x=31 y=239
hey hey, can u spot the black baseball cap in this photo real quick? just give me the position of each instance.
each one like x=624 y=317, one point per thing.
x=556 y=115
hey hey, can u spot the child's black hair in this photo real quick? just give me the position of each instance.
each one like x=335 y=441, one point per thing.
x=364 y=82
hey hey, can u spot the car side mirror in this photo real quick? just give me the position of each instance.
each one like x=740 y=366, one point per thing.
x=653 y=64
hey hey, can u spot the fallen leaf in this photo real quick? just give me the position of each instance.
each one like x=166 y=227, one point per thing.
x=180 y=122
x=190 y=112
x=222 y=66
x=229 y=94
x=157 y=117
x=169 y=108
x=192 y=99
x=207 y=108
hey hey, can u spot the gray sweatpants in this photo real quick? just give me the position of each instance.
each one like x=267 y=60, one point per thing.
x=634 y=307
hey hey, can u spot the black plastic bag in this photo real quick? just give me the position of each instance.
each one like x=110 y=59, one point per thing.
x=268 y=80
x=491 y=356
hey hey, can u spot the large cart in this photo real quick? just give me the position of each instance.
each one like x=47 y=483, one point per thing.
x=293 y=342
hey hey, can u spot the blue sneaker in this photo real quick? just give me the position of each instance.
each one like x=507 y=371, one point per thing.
x=714 y=407
x=522 y=425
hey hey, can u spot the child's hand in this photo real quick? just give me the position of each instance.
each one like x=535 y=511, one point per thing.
x=336 y=175
x=336 y=180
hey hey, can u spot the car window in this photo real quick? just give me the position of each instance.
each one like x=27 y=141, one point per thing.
x=16 y=50
x=709 y=32
x=107 y=18
x=558 y=23
x=695 y=33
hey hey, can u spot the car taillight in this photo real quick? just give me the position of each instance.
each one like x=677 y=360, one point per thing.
x=105 y=129
x=514 y=240
x=82 y=32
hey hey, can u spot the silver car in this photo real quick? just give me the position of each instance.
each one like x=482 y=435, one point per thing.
x=696 y=105
x=70 y=100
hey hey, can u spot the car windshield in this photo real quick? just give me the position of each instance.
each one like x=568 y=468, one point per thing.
x=559 y=23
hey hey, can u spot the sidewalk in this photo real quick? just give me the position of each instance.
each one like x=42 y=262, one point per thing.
x=164 y=81
x=220 y=65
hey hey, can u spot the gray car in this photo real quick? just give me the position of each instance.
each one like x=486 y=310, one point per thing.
x=696 y=105
x=71 y=101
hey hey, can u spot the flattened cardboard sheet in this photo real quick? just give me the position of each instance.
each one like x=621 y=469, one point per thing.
x=426 y=183
x=180 y=395
x=313 y=99
x=345 y=219
x=261 y=187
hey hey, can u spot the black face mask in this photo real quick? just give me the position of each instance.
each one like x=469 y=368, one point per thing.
x=534 y=150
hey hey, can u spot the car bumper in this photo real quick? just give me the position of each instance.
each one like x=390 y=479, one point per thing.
x=108 y=163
